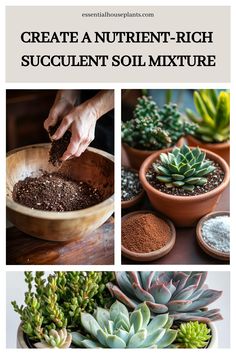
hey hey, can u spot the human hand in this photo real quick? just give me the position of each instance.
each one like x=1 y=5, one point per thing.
x=81 y=121
x=63 y=104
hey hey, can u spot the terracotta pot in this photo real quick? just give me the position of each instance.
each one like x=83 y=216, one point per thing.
x=221 y=149
x=184 y=211
x=136 y=157
x=21 y=342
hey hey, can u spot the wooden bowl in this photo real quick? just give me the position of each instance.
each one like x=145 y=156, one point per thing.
x=125 y=204
x=94 y=166
x=204 y=246
x=150 y=256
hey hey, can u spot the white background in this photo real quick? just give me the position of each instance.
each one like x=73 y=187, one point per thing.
x=8 y=320
x=215 y=280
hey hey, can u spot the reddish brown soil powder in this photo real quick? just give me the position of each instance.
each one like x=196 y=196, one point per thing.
x=55 y=192
x=58 y=147
x=143 y=233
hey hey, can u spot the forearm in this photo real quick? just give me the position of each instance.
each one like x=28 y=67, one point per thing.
x=102 y=102
x=69 y=95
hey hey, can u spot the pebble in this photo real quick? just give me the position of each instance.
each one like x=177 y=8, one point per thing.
x=130 y=185
x=216 y=233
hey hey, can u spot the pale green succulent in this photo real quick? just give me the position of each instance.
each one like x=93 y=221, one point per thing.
x=213 y=125
x=193 y=335
x=55 y=339
x=116 y=328
x=183 y=168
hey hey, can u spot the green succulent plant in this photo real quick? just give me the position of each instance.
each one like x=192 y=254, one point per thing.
x=183 y=168
x=153 y=128
x=193 y=335
x=55 y=339
x=59 y=299
x=213 y=125
x=181 y=294
x=117 y=328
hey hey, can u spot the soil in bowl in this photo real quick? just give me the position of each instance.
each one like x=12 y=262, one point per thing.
x=130 y=184
x=144 y=233
x=214 y=179
x=55 y=192
x=58 y=147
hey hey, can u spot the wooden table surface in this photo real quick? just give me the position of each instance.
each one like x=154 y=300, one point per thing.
x=186 y=249
x=96 y=248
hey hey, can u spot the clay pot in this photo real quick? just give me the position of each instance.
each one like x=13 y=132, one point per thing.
x=221 y=149
x=136 y=157
x=184 y=211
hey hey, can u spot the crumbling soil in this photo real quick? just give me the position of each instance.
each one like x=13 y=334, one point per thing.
x=58 y=147
x=214 y=179
x=55 y=192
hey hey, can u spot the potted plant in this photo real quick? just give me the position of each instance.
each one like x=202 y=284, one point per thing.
x=183 y=295
x=63 y=312
x=213 y=124
x=152 y=129
x=184 y=183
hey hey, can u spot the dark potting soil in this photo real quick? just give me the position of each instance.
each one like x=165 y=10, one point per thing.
x=55 y=192
x=58 y=147
x=214 y=179
x=130 y=184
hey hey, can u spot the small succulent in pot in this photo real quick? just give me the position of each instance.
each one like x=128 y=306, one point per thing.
x=153 y=128
x=55 y=339
x=213 y=123
x=181 y=294
x=192 y=335
x=183 y=168
x=117 y=328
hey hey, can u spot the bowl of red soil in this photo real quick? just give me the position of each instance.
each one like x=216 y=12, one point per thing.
x=59 y=203
x=146 y=236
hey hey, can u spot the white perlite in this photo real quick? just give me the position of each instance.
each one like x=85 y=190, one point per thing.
x=216 y=233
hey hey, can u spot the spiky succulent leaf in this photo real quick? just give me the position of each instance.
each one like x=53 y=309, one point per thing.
x=183 y=168
x=182 y=295
x=214 y=111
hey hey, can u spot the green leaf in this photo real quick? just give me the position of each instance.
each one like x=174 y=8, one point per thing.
x=136 y=319
x=200 y=106
x=189 y=172
x=193 y=180
x=178 y=183
x=89 y=323
x=222 y=111
x=167 y=339
x=154 y=337
x=102 y=317
x=177 y=177
x=137 y=339
x=164 y=179
x=102 y=337
x=145 y=313
x=116 y=309
x=210 y=107
x=115 y=342
x=158 y=321
x=163 y=170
